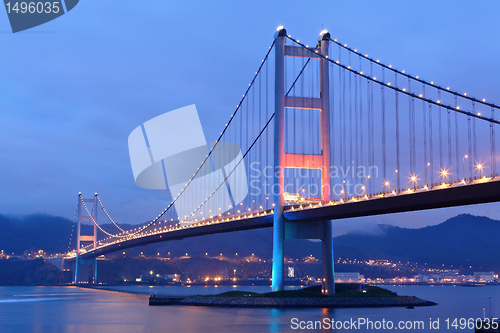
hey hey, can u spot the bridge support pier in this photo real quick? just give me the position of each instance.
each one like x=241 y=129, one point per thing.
x=82 y=268
x=328 y=285
x=278 y=282
x=317 y=230
x=282 y=160
x=85 y=270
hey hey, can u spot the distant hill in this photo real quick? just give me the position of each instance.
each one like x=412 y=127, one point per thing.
x=53 y=234
x=30 y=272
x=41 y=231
x=464 y=240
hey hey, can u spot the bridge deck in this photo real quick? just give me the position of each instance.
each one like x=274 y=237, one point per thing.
x=457 y=194
x=206 y=229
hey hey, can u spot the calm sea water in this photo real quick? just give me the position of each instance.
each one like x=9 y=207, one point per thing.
x=73 y=309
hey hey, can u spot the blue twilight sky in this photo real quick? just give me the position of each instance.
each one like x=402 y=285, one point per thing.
x=72 y=90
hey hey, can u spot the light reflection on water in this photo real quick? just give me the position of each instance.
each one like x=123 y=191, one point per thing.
x=38 y=299
x=191 y=290
x=74 y=310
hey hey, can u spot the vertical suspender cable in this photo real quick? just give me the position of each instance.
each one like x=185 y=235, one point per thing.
x=474 y=135
x=341 y=118
x=259 y=158
x=371 y=123
x=311 y=130
x=384 y=166
x=368 y=139
x=344 y=127
x=266 y=192
x=247 y=140
x=233 y=135
x=410 y=128
x=431 y=155
x=332 y=122
x=413 y=130
x=426 y=165
x=294 y=113
x=492 y=135
x=441 y=166
x=303 y=91
x=240 y=118
x=252 y=154
x=398 y=170
x=457 y=148
x=350 y=114
x=469 y=144
x=449 y=143
x=361 y=113
x=356 y=128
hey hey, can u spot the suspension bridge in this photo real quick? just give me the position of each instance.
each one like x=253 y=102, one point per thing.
x=326 y=132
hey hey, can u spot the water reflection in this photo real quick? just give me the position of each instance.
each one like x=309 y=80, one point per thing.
x=275 y=322
x=326 y=316
x=75 y=310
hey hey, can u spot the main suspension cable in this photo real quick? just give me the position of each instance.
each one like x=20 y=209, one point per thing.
x=109 y=217
x=95 y=222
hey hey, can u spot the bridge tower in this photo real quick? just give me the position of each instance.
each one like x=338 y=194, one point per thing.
x=83 y=267
x=302 y=229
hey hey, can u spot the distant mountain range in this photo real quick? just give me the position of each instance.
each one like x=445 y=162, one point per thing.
x=461 y=241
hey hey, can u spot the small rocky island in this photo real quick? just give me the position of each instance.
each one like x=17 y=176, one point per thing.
x=347 y=296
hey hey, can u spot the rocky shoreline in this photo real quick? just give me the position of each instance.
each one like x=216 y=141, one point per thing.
x=303 y=302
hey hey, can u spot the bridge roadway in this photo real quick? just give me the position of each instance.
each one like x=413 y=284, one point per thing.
x=441 y=196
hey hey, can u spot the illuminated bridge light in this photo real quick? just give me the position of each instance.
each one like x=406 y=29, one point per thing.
x=301 y=203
